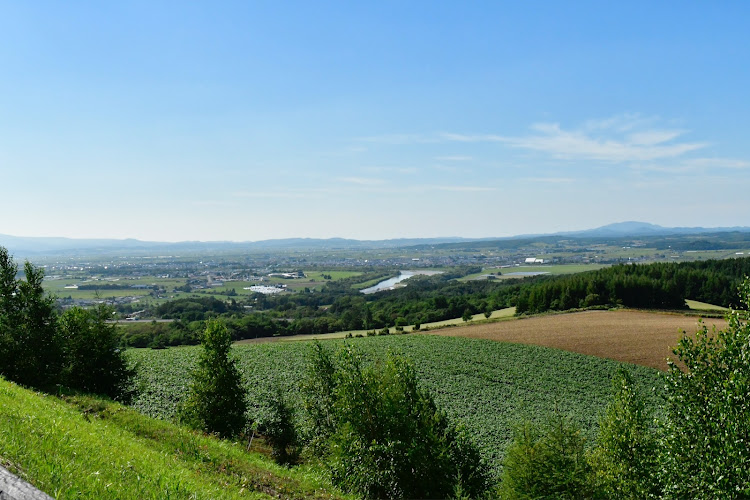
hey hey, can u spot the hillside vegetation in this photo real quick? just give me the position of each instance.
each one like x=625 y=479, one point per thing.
x=488 y=386
x=90 y=448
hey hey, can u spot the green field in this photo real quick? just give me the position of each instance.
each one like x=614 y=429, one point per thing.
x=539 y=268
x=490 y=386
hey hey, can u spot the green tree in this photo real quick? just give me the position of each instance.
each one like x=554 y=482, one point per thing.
x=387 y=438
x=30 y=347
x=625 y=458
x=707 y=435
x=93 y=361
x=216 y=402
x=547 y=462
x=276 y=423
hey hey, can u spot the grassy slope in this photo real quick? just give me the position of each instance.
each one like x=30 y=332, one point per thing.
x=91 y=448
x=490 y=386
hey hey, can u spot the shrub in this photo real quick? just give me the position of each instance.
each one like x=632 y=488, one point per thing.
x=277 y=425
x=707 y=448
x=625 y=456
x=30 y=346
x=93 y=361
x=216 y=401
x=547 y=462
x=388 y=438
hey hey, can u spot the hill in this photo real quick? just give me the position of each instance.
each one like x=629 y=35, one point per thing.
x=90 y=448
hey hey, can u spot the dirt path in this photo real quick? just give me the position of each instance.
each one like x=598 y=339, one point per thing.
x=643 y=338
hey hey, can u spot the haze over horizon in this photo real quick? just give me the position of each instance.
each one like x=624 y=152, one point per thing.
x=248 y=121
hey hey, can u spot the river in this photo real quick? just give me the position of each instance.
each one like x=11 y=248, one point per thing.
x=390 y=283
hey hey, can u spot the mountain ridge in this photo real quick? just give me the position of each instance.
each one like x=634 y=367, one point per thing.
x=42 y=245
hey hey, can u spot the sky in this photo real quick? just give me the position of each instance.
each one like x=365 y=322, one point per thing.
x=252 y=120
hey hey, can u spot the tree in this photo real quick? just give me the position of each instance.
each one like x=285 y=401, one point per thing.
x=547 y=462
x=30 y=347
x=387 y=438
x=625 y=458
x=93 y=361
x=707 y=435
x=276 y=423
x=216 y=402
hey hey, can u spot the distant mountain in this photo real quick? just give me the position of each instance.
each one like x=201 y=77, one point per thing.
x=50 y=246
x=634 y=228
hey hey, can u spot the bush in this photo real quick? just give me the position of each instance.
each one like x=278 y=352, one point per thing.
x=625 y=456
x=277 y=425
x=30 y=346
x=93 y=360
x=547 y=462
x=216 y=402
x=387 y=439
x=707 y=448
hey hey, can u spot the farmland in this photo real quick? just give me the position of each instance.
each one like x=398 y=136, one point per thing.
x=638 y=337
x=489 y=386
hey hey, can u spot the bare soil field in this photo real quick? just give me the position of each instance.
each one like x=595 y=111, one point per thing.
x=642 y=338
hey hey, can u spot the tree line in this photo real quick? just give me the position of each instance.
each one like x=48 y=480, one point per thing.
x=40 y=348
x=651 y=286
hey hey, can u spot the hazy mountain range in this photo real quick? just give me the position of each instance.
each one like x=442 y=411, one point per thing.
x=18 y=245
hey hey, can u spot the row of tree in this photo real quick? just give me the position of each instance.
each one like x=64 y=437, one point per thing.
x=42 y=349
x=652 y=286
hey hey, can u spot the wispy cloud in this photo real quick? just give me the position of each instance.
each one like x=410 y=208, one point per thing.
x=581 y=144
x=394 y=170
x=400 y=139
x=454 y=158
x=693 y=166
x=291 y=193
x=362 y=181
x=549 y=180
x=618 y=139
x=458 y=189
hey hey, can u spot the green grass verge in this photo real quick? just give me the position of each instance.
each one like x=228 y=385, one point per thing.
x=702 y=306
x=88 y=448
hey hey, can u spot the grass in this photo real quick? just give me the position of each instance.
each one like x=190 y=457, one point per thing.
x=702 y=306
x=546 y=268
x=88 y=448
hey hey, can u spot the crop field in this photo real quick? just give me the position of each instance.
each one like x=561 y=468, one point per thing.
x=489 y=386
x=509 y=272
x=642 y=338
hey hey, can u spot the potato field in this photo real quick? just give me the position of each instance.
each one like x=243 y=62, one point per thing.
x=489 y=386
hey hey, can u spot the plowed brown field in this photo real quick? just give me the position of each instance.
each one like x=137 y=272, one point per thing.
x=642 y=338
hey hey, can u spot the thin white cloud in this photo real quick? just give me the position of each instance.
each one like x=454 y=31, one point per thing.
x=362 y=181
x=581 y=145
x=730 y=163
x=460 y=189
x=396 y=139
x=550 y=180
x=693 y=166
x=395 y=170
x=454 y=158
x=291 y=193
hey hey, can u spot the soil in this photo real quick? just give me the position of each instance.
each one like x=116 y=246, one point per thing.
x=642 y=338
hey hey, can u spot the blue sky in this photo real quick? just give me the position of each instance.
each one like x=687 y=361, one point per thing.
x=248 y=120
